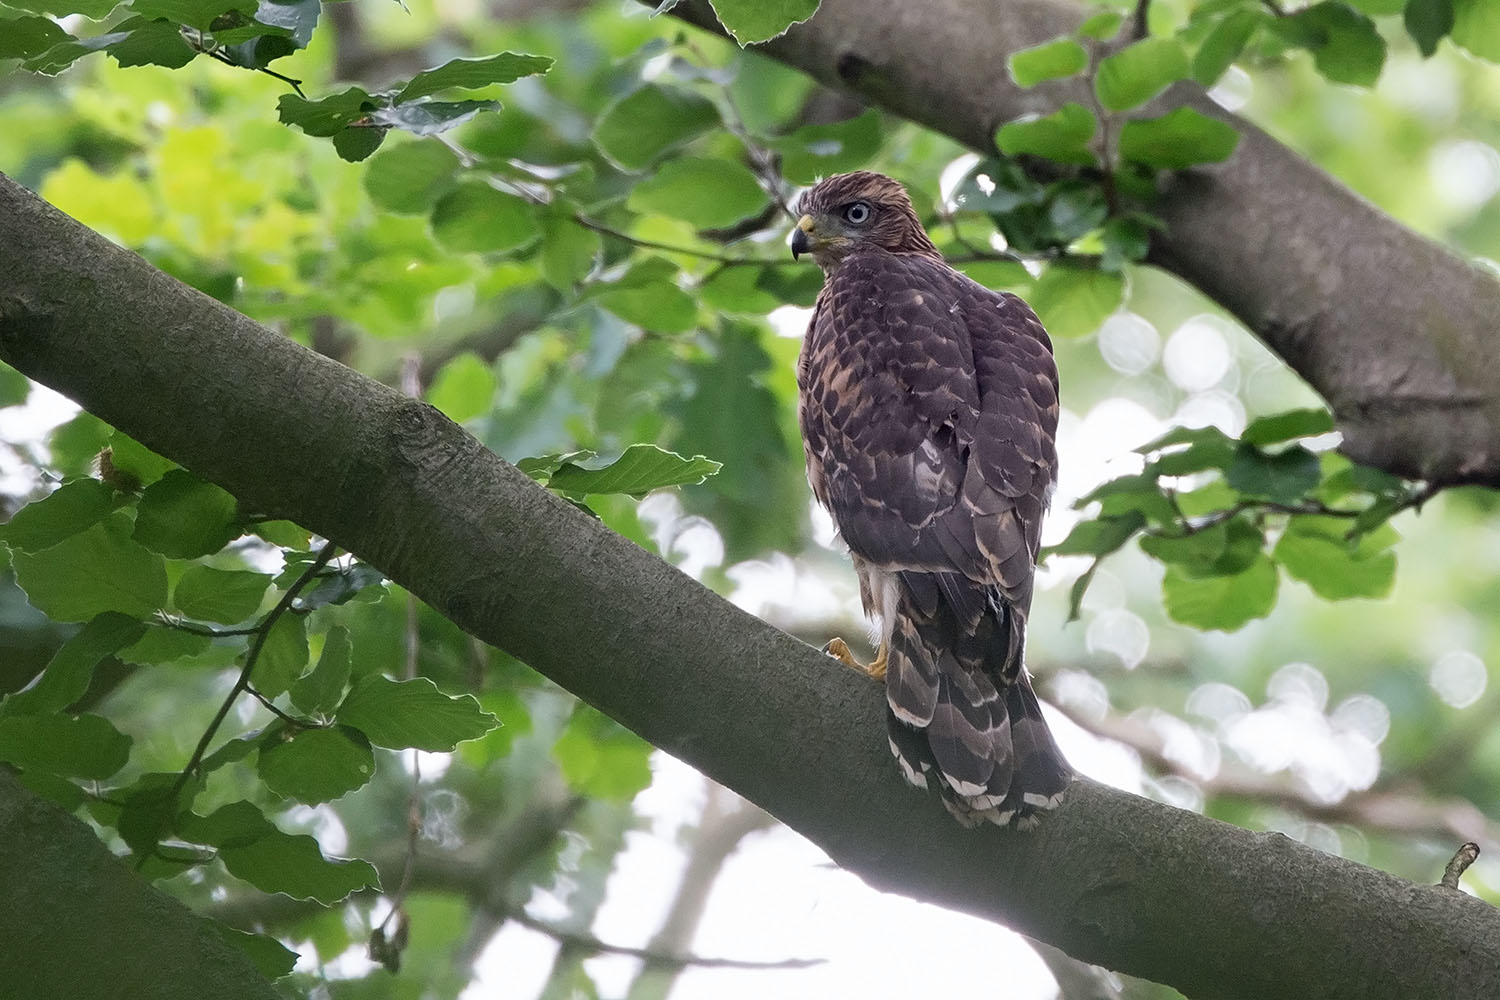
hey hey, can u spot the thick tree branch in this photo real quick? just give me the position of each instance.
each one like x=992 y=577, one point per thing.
x=1397 y=332
x=78 y=923
x=1112 y=878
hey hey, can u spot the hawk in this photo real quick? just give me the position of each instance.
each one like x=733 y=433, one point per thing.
x=928 y=407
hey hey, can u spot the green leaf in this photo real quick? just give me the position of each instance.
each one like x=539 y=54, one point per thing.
x=253 y=849
x=15 y=388
x=316 y=765
x=471 y=74
x=62 y=55
x=1346 y=47
x=1476 y=27
x=1102 y=26
x=1197 y=553
x=1215 y=496
x=83 y=746
x=424 y=117
x=541 y=467
x=1140 y=494
x=1429 y=22
x=645 y=124
x=318 y=691
x=298 y=18
x=1177 y=140
x=92 y=9
x=1127 y=240
x=285 y=534
x=1063 y=135
x=1200 y=456
x=569 y=249
x=282 y=656
x=198 y=14
x=1226 y=603
x=600 y=758
x=184 y=517
x=1224 y=44
x=328 y=116
x=738 y=290
x=271 y=958
x=815 y=151
x=1316 y=551
x=73 y=507
x=1061 y=57
x=1099 y=537
x=654 y=305
x=338 y=586
x=354 y=144
x=94 y=571
x=476 y=217
x=230 y=752
x=1243 y=543
x=1284 y=477
x=1072 y=300
x=707 y=193
x=1139 y=72
x=408 y=178
x=1285 y=426
x=163 y=644
x=1181 y=435
x=641 y=469
x=1078 y=590
x=750 y=21
x=414 y=713
x=464 y=388
x=1075 y=209
x=127 y=457
x=67 y=674
x=25 y=37
x=225 y=596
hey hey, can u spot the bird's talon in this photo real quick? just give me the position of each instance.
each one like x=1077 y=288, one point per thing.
x=839 y=650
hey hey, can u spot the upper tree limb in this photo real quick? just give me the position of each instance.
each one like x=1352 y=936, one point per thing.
x=1398 y=333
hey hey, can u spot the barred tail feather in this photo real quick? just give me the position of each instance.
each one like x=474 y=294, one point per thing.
x=963 y=717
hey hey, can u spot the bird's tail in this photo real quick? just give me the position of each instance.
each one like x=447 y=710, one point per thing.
x=963 y=717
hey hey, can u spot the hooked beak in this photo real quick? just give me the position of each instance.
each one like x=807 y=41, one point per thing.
x=801 y=237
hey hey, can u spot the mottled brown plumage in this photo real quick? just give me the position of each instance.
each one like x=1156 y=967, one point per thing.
x=928 y=411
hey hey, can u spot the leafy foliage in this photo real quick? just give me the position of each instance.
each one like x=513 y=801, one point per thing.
x=1326 y=524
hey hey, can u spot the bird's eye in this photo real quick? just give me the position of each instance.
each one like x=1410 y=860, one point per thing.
x=857 y=213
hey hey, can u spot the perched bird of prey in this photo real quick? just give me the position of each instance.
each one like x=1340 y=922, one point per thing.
x=928 y=409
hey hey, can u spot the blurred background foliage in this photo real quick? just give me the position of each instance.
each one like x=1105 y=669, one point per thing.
x=601 y=262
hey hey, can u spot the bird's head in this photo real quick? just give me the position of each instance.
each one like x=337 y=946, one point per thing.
x=846 y=213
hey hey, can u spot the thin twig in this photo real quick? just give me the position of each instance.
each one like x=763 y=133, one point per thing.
x=196 y=628
x=224 y=58
x=270 y=706
x=242 y=683
x=1139 y=28
x=1461 y=861
x=727 y=261
x=594 y=944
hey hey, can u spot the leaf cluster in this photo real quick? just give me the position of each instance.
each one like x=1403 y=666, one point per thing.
x=1223 y=514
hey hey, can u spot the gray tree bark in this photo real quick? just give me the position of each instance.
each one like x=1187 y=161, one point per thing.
x=1111 y=878
x=1397 y=332
x=78 y=923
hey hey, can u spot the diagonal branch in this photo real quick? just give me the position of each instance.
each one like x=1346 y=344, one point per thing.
x=1397 y=332
x=1111 y=878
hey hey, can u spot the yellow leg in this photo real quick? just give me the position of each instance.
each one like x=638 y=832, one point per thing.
x=839 y=650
